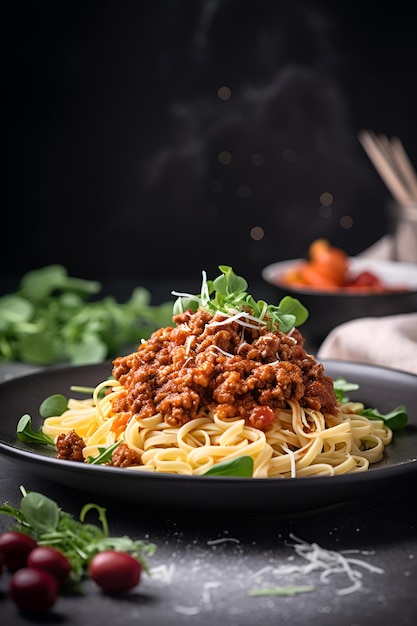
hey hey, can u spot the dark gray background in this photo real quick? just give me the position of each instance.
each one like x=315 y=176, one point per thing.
x=112 y=129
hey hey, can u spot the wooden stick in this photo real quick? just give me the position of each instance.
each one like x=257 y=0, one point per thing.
x=384 y=167
x=399 y=162
x=405 y=164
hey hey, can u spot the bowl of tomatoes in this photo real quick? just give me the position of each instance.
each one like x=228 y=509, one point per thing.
x=336 y=288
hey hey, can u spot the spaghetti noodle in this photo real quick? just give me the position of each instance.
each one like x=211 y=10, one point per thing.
x=229 y=379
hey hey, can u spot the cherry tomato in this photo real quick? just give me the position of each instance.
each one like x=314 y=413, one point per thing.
x=261 y=417
x=115 y=571
x=33 y=589
x=51 y=560
x=15 y=547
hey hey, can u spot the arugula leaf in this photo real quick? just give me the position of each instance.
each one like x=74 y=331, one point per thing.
x=242 y=466
x=25 y=432
x=395 y=419
x=104 y=455
x=227 y=294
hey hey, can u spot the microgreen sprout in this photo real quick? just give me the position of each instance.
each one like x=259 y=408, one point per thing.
x=228 y=294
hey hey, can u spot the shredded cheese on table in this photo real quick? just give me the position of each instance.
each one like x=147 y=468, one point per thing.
x=329 y=562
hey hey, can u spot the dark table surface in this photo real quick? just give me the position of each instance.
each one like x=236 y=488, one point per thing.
x=205 y=566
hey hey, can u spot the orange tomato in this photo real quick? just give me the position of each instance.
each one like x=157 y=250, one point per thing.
x=119 y=424
x=313 y=276
x=326 y=267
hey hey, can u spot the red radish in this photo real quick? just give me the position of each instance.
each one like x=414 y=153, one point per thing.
x=51 y=560
x=115 y=571
x=15 y=547
x=33 y=589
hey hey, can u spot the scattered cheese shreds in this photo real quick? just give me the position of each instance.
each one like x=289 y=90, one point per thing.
x=212 y=542
x=329 y=562
x=163 y=573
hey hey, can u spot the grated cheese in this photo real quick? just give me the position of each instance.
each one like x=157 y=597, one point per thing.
x=292 y=460
x=222 y=351
x=207 y=587
x=238 y=317
x=163 y=573
x=212 y=542
x=329 y=562
x=187 y=610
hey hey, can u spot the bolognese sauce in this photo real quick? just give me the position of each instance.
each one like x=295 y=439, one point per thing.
x=210 y=362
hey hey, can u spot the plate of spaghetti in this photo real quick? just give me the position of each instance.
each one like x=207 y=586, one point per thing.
x=224 y=411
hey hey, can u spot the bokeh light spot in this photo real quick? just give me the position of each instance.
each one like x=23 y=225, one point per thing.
x=224 y=157
x=224 y=93
x=346 y=222
x=257 y=233
x=326 y=198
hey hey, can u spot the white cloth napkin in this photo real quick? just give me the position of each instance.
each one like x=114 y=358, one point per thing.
x=390 y=341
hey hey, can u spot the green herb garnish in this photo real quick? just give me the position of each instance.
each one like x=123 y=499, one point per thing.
x=52 y=318
x=90 y=390
x=104 y=455
x=41 y=518
x=242 y=466
x=341 y=386
x=227 y=294
x=53 y=405
x=25 y=432
x=395 y=419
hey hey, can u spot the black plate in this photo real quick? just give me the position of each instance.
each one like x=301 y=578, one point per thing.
x=379 y=387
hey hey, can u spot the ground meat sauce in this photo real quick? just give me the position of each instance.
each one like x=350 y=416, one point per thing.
x=70 y=446
x=123 y=456
x=231 y=369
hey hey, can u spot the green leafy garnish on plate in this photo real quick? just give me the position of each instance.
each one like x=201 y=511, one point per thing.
x=26 y=433
x=242 y=466
x=341 y=387
x=53 y=405
x=395 y=419
x=104 y=455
